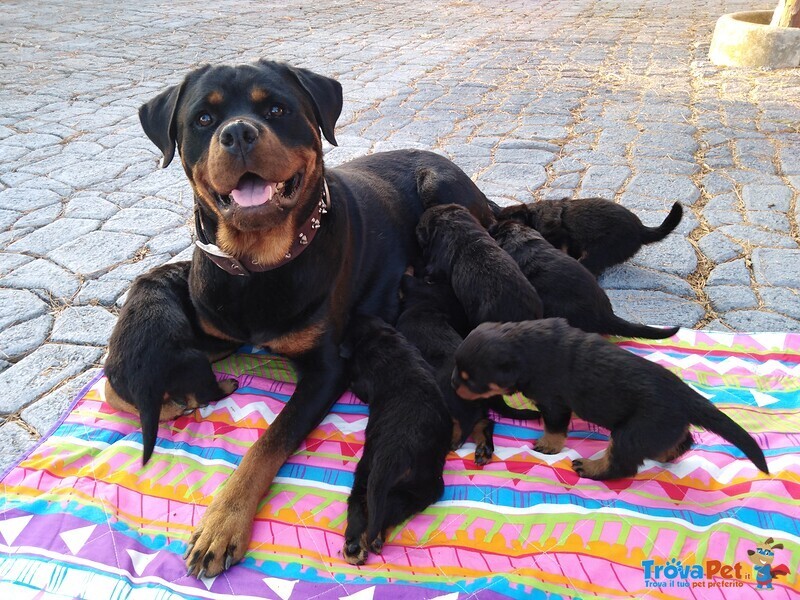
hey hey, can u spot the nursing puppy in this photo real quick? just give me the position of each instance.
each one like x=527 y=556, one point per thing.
x=647 y=408
x=566 y=288
x=597 y=232
x=407 y=437
x=430 y=319
x=161 y=366
x=486 y=280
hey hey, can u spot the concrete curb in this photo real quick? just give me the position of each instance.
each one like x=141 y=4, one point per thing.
x=746 y=39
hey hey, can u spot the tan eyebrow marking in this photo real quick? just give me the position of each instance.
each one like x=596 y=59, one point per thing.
x=258 y=94
x=215 y=97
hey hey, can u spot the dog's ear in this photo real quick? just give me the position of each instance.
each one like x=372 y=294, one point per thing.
x=326 y=96
x=778 y=546
x=158 y=121
x=148 y=415
x=751 y=552
x=517 y=212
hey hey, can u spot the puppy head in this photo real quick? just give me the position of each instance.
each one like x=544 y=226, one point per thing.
x=249 y=140
x=439 y=231
x=486 y=363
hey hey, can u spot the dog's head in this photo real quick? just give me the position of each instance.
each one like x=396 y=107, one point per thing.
x=486 y=363
x=249 y=140
x=439 y=229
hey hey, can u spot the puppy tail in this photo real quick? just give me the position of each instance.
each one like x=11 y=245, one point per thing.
x=620 y=326
x=148 y=415
x=708 y=416
x=654 y=234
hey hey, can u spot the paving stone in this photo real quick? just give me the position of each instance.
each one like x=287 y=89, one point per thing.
x=757 y=237
x=144 y=221
x=770 y=220
x=781 y=300
x=53 y=235
x=569 y=181
x=756 y=321
x=718 y=248
x=731 y=297
x=83 y=325
x=674 y=254
x=766 y=197
x=655 y=308
x=777 y=267
x=630 y=277
x=40 y=217
x=97 y=251
x=17 y=306
x=45 y=413
x=43 y=275
x=86 y=173
x=669 y=187
x=171 y=242
x=89 y=206
x=734 y=272
x=10 y=261
x=717 y=183
x=129 y=271
x=17 y=340
x=717 y=325
x=606 y=177
x=103 y=293
x=15 y=441
x=41 y=371
x=26 y=199
x=527 y=176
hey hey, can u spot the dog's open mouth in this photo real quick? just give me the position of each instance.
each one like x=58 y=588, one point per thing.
x=252 y=190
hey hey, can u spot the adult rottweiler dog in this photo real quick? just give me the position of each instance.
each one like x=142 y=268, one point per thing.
x=431 y=319
x=486 y=280
x=287 y=251
x=567 y=289
x=407 y=437
x=597 y=232
x=647 y=408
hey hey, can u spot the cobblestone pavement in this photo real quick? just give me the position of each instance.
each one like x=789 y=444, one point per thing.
x=535 y=100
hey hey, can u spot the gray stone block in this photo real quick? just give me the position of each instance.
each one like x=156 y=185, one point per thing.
x=760 y=321
x=631 y=277
x=668 y=187
x=17 y=340
x=51 y=236
x=9 y=262
x=757 y=237
x=97 y=251
x=719 y=248
x=781 y=300
x=770 y=220
x=777 y=267
x=730 y=273
x=15 y=441
x=43 y=414
x=83 y=325
x=516 y=176
x=606 y=177
x=717 y=183
x=41 y=371
x=719 y=218
x=674 y=254
x=39 y=217
x=731 y=297
x=24 y=199
x=17 y=306
x=103 y=293
x=655 y=308
x=144 y=221
x=43 y=275
x=766 y=197
x=89 y=206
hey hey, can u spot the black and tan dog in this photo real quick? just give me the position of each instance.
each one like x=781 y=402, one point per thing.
x=287 y=250
x=431 y=319
x=597 y=232
x=158 y=321
x=407 y=437
x=566 y=288
x=647 y=408
x=486 y=280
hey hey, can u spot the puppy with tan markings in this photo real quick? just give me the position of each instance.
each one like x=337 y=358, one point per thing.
x=430 y=319
x=597 y=232
x=566 y=288
x=647 y=408
x=486 y=280
x=407 y=437
x=160 y=369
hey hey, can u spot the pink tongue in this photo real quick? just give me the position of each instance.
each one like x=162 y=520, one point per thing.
x=253 y=192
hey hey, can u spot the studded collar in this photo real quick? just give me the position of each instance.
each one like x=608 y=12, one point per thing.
x=246 y=266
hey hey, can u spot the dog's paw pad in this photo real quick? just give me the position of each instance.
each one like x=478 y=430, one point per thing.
x=376 y=547
x=483 y=454
x=228 y=386
x=354 y=553
x=577 y=466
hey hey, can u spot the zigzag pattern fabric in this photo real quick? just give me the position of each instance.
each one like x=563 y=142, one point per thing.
x=80 y=517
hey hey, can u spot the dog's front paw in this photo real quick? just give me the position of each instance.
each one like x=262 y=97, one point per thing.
x=354 y=550
x=219 y=541
x=591 y=469
x=483 y=454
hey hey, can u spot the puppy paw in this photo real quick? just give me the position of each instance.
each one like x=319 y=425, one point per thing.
x=550 y=443
x=376 y=547
x=591 y=469
x=483 y=454
x=354 y=551
x=228 y=386
x=219 y=541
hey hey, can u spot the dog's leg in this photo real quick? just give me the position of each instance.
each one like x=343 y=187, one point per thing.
x=621 y=459
x=483 y=436
x=354 y=550
x=223 y=534
x=556 y=422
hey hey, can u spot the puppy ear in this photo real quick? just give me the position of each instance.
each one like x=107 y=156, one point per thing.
x=158 y=121
x=518 y=212
x=326 y=96
x=148 y=415
x=778 y=546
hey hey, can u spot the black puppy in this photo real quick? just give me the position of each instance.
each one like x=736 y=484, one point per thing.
x=566 y=288
x=647 y=408
x=161 y=367
x=597 y=232
x=486 y=280
x=407 y=436
x=430 y=319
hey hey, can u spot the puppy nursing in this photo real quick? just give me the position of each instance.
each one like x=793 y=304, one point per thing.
x=647 y=408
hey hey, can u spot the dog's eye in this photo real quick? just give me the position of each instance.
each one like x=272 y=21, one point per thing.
x=204 y=119
x=276 y=110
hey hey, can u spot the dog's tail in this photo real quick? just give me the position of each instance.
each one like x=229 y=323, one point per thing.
x=149 y=412
x=708 y=416
x=654 y=234
x=619 y=326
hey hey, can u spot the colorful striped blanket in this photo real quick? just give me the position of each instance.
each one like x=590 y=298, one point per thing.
x=80 y=517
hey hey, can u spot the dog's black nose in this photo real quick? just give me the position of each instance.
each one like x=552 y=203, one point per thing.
x=238 y=136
